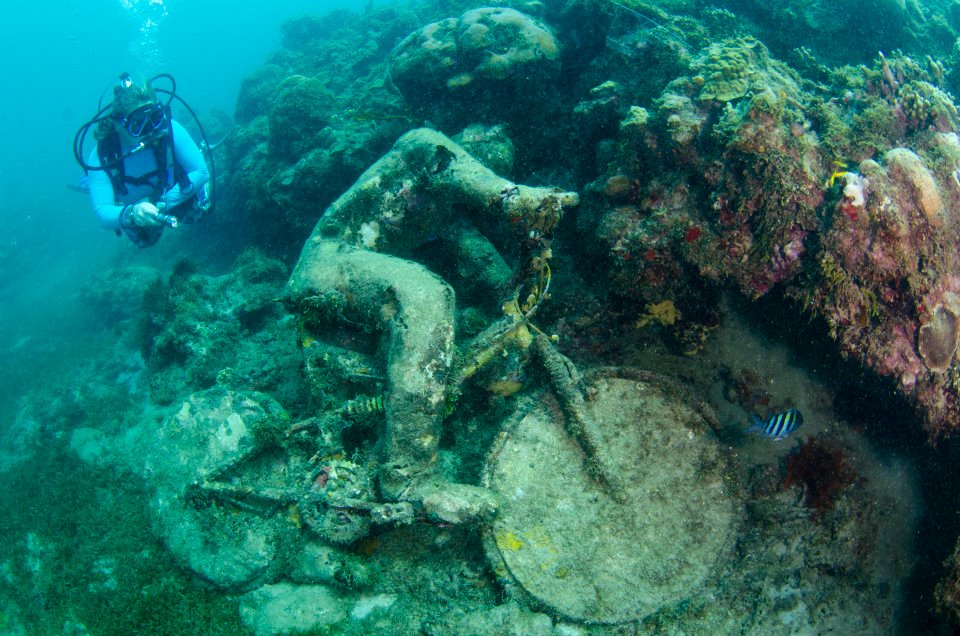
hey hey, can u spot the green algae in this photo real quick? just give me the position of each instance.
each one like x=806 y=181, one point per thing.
x=81 y=551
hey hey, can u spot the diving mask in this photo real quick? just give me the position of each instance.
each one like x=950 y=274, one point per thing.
x=146 y=118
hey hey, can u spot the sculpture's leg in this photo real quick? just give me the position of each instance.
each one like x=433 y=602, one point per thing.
x=482 y=271
x=415 y=308
x=425 y=183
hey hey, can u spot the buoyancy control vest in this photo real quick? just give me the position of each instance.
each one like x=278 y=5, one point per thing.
x=112 y=160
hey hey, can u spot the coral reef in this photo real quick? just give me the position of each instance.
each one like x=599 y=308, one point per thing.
x=735 y=174
x=308 y=436
x=885 y=279
x=742 y=192
x=114 y=296
x=255 y=92
x=195 y=331
x=914 y=89
x=299 y=115
x=727 y=70
x=948 y=589
x=308 y=125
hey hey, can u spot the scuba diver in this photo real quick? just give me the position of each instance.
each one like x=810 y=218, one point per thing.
x=146 y=172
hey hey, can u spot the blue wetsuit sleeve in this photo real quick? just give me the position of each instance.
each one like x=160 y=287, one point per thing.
x=191 y=160
x=102 y=195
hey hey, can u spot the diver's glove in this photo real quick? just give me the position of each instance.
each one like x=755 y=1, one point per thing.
x=145 y=214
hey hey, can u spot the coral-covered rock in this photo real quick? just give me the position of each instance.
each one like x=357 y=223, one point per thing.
x=914 y=93
x=488 y=60
x=736 y=168
x=728 y=69
x=117 y=295
x=301 y=111
x=197 y=331
x=256 y=91
x=600 y=114
x=913 y=179
x=731 y=191
x=296 y=147
x=887 y=274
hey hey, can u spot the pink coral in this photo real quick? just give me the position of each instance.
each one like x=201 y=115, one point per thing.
x=899 y=358
x=784 y=259
x=882 y=257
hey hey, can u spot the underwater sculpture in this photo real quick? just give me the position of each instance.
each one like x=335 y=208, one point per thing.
x=355 y=268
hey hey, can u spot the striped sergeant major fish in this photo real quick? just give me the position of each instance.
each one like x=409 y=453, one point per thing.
x=778 y=425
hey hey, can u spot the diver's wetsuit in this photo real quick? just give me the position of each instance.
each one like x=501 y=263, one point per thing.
x=108 y=205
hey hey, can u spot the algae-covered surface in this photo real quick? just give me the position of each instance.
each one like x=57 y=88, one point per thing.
x=551 y=535
x=491 y=329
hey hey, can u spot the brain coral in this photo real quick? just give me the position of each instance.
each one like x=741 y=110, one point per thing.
x=459 y=59
x=731 y=68
x=503 y=41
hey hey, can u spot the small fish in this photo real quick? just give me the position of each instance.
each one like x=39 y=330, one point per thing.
x=364 y=405
x=778 y=425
